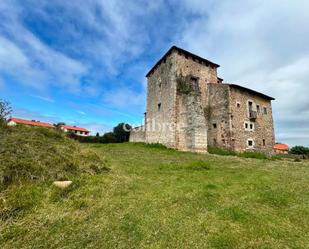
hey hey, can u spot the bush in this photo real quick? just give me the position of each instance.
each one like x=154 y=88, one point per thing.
x=41 y=154
x=256 y=155
x=221 y=151
x=300 y=150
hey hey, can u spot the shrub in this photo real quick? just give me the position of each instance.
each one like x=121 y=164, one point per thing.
x=257 y=155
x=40 y=154
x=221 y=151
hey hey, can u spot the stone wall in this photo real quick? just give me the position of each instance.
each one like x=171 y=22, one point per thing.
x=217 y=115
x=138 y=134
x=263 y=128
x=161 y=98
x=192 y=135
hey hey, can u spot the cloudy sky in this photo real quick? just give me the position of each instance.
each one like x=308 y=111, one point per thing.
x=84 y=62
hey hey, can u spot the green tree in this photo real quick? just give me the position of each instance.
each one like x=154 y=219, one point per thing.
x=300 y=150
x=5 y=110
x=98 y=134
x=109 y=137
x=122 y=132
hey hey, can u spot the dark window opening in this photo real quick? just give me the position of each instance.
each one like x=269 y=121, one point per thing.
x=265 y=110
x=250 y=143
x=214 y=125
x=238 y=105
x=246 y=125
x=194 y=84
x=258 y=108
x=159 y=106
x=264 y=143
x=250 y=105
x=251 y=126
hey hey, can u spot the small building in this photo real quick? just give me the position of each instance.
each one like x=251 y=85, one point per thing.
x=76 y=130
x=15 y=121
x=281 y=148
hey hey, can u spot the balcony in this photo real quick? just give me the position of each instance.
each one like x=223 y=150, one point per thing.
x=252 y=115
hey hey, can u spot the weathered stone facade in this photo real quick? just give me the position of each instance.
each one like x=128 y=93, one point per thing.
x=189 y=108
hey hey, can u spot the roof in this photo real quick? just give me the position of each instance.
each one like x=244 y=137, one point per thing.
x=74 y=128
x=281 y=147
x=181 y=51
x=31 y=122
x=252 y=91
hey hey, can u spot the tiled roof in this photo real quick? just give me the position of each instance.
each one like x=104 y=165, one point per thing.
x=281 y=147
x=74 y=128
x=31 y=122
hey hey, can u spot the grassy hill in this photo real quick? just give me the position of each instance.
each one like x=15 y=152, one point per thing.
x=160 y=198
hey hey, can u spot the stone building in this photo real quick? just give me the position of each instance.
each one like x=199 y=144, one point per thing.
x=189 y=108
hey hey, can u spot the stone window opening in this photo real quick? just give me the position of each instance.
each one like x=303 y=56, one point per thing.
x=251 y=126
x=264 y=142
x=159 y=106
x=238 y=105
x=265 y=110
x=258 y=108
x=246 y=125
x=250 y=143
x=194 y=84
x=214 y=125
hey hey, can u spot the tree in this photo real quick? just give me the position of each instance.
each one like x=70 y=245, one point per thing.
x=98 y=134
x=300 y=150
x=122 y=132
x=109 y=137
x=5 y=110
x=59 y=124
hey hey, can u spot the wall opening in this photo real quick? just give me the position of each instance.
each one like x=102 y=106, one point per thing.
x=159 y=106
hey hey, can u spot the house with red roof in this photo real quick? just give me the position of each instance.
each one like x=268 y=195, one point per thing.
x=281 y=148
x=15 y=121
x=66 y=128
x=74 y=129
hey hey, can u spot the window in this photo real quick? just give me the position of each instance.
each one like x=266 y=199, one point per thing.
x=194 y=84
x=265 y=110
x=238 y=105
x=250 y=105
x=214 y=125
x=249 y=126
x=250 y=143
x=159 y=106
x=258 y=108
x=264 y=143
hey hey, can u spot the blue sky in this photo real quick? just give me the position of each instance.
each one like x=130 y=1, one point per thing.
x=84 y=62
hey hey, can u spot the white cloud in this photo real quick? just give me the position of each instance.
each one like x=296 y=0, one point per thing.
x=30 y=61
x=262 y=45
x=47 y=99
x=125 y=98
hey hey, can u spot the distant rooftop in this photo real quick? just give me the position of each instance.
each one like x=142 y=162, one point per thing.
x=31 y=122
x=185 y=52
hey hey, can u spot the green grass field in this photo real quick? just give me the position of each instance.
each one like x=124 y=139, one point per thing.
x=159 y=198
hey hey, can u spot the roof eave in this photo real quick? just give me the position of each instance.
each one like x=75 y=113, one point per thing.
x=183 y=51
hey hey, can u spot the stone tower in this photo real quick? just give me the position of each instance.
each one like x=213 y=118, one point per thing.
x=174 y=105
x=189 y=108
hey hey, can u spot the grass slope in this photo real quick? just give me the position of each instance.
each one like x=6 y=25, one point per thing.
x=159 y=198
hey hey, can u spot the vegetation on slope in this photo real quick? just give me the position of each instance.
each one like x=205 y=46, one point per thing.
x=161 y=198
x=40 y=154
